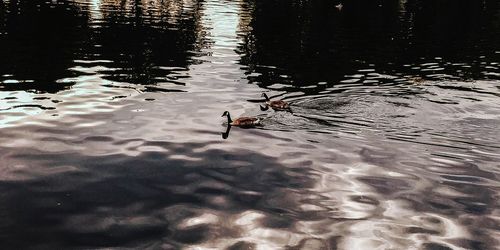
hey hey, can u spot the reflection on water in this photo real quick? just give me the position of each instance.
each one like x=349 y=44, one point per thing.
x=110 y=127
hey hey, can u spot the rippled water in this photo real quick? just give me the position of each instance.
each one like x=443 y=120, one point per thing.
x=110 y=124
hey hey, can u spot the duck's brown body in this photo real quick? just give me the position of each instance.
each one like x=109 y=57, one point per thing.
x=278 y=105
x=245 y=122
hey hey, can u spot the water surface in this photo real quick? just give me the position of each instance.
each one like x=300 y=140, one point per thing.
x=110 y=124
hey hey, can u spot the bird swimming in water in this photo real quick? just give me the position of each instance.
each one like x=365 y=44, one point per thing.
x=339 y=6
x=278 y=105
x=244 y=122
x=416 y=80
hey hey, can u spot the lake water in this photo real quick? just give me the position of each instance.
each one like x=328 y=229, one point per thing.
x=111 y=127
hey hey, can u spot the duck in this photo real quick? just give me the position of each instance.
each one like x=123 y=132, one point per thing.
x=244 y=122
x=278 y=105
x=339 y=6
x=416 y=80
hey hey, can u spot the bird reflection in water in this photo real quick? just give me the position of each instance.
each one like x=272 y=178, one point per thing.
x=226 y=134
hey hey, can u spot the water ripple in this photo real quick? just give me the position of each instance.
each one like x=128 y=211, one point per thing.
x=110 y=125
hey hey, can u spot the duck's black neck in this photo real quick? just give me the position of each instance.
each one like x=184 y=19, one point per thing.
x=265 y=96
x=229 y=119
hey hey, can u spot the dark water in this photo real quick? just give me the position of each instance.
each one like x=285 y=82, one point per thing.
x=110 y=127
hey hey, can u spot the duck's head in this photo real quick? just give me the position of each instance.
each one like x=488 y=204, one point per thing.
x=226 y=113
x=265 y=96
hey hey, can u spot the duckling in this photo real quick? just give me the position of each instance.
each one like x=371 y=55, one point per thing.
x=279 y=105
x=244 y=122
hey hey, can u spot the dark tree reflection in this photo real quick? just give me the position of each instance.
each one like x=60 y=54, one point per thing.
x=307 y=42
x=37 y=43
x=144 y=38
x=131 y=41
